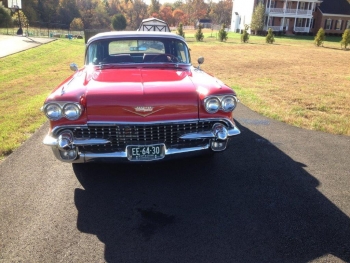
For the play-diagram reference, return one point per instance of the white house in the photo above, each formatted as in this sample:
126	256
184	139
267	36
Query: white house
242	12
289	16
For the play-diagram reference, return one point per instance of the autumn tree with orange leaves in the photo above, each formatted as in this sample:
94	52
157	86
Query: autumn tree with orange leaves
195	9
97	14
179	16
166	14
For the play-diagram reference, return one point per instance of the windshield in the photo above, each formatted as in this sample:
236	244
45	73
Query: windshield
117	51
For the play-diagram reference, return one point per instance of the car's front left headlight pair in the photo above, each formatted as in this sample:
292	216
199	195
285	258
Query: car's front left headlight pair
57	110
226	103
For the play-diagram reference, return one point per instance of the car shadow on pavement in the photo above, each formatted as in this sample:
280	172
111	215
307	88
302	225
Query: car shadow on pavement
251	203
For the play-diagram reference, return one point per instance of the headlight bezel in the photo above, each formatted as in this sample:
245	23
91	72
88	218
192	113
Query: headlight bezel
234	103
209	100
62	105
47	109
77	109
221	99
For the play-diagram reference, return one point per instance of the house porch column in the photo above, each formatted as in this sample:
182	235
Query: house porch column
297	9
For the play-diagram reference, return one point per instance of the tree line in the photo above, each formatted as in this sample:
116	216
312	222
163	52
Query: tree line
98	14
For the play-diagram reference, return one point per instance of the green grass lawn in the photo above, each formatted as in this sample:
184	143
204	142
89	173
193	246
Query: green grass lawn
26	79
291	81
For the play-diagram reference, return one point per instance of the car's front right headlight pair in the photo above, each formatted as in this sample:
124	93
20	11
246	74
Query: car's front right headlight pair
226	103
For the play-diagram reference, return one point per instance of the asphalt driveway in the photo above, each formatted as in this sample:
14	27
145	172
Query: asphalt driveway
278	194
13	44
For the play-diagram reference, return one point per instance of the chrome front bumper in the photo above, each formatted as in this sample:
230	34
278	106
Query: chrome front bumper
66	147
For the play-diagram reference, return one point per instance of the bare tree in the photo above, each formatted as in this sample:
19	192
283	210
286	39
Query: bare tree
221	12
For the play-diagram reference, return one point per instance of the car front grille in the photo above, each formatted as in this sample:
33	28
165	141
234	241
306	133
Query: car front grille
141	134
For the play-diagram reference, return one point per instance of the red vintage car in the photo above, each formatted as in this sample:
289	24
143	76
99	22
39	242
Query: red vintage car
138	98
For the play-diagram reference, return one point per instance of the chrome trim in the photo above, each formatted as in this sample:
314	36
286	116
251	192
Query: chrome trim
220	131
229	123
233	132
220	98
51	141
45	111
61	105
198	135
144	109
143	115
228	129
186	150
58	128
73	67
65	141
236	102
207	107
103	155
80	110
209	135
89	157
82	142
101	123
66	85
223	149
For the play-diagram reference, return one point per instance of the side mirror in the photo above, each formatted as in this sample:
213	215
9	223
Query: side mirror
200	61
73	67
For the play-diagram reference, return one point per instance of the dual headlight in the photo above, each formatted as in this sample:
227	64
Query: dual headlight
57	110
215	103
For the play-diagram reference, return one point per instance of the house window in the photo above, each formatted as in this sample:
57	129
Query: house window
338	25
299	22
348	25
328	24
302	5
289	5
273	4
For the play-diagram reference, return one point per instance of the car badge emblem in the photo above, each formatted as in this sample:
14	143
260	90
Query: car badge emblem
144	109
148	110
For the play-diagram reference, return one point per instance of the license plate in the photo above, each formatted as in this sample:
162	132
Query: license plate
145	152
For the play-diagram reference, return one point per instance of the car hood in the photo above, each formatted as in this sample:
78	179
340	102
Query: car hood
140	95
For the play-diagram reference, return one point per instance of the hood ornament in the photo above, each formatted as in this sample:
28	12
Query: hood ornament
148	110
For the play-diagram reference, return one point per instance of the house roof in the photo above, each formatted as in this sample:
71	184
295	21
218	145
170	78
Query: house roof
153	24
336	7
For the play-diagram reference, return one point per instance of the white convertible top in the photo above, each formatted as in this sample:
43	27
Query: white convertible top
134	34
